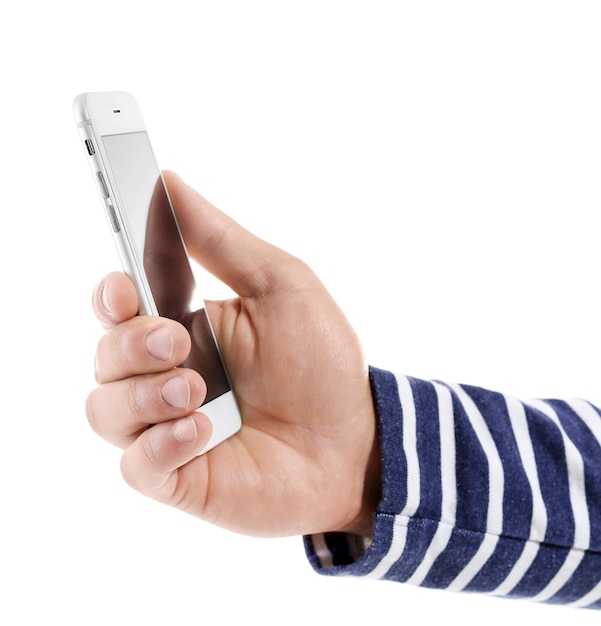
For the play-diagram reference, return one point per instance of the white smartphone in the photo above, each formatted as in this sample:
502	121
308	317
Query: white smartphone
148	239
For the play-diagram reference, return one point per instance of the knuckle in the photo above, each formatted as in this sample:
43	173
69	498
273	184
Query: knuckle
124	343
140	467
129	476
134	399
117	350
148	452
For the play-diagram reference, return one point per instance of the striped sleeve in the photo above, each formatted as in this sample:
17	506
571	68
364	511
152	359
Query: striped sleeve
482	493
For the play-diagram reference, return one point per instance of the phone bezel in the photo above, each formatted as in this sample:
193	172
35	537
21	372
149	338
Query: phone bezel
98	114
115	113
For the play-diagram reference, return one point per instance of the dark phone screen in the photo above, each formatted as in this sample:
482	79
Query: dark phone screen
159	248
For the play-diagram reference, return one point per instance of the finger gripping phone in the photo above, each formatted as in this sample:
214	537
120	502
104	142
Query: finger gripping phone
148	239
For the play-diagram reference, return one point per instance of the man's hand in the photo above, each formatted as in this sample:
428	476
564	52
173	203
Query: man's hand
306	458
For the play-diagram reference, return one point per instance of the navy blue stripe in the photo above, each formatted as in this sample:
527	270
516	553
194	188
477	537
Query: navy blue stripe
585	578
390	431
340	548
498	566
544	567
419	536
472	473
549	452
428	449
462	546
517	493
590	449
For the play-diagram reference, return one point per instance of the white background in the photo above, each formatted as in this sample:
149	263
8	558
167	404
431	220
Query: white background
437	163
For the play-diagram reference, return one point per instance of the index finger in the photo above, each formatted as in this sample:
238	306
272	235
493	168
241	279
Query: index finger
249	265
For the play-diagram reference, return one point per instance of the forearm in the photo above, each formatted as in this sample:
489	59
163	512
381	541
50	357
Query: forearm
481	492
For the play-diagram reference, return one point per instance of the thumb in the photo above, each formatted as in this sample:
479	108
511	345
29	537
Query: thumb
249	265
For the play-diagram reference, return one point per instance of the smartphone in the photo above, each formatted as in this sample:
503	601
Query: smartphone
148	239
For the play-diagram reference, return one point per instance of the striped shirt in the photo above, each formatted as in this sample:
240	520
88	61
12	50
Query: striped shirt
481	492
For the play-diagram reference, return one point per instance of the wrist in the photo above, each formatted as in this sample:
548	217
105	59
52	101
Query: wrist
371	494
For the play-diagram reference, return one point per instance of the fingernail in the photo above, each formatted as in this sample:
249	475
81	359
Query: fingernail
159	344
100	295
185	429
176	392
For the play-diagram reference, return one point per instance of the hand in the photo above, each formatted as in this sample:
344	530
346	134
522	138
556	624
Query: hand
306	459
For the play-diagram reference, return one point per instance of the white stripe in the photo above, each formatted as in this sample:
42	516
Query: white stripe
519	569
477	562
519	424
592	419
410	446
439	542
496	483
576	484
496	476
322	551
399	536
448	453
538	522
575	467
448	482
588	415
561	577
397	546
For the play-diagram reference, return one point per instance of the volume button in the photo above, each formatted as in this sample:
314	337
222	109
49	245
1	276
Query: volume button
104	190
113	218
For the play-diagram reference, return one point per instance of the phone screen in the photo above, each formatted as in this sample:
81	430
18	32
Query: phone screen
159	248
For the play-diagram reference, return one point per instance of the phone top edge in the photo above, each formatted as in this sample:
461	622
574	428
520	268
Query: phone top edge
80	110
109	112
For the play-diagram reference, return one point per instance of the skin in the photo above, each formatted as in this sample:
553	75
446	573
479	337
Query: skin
306	458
